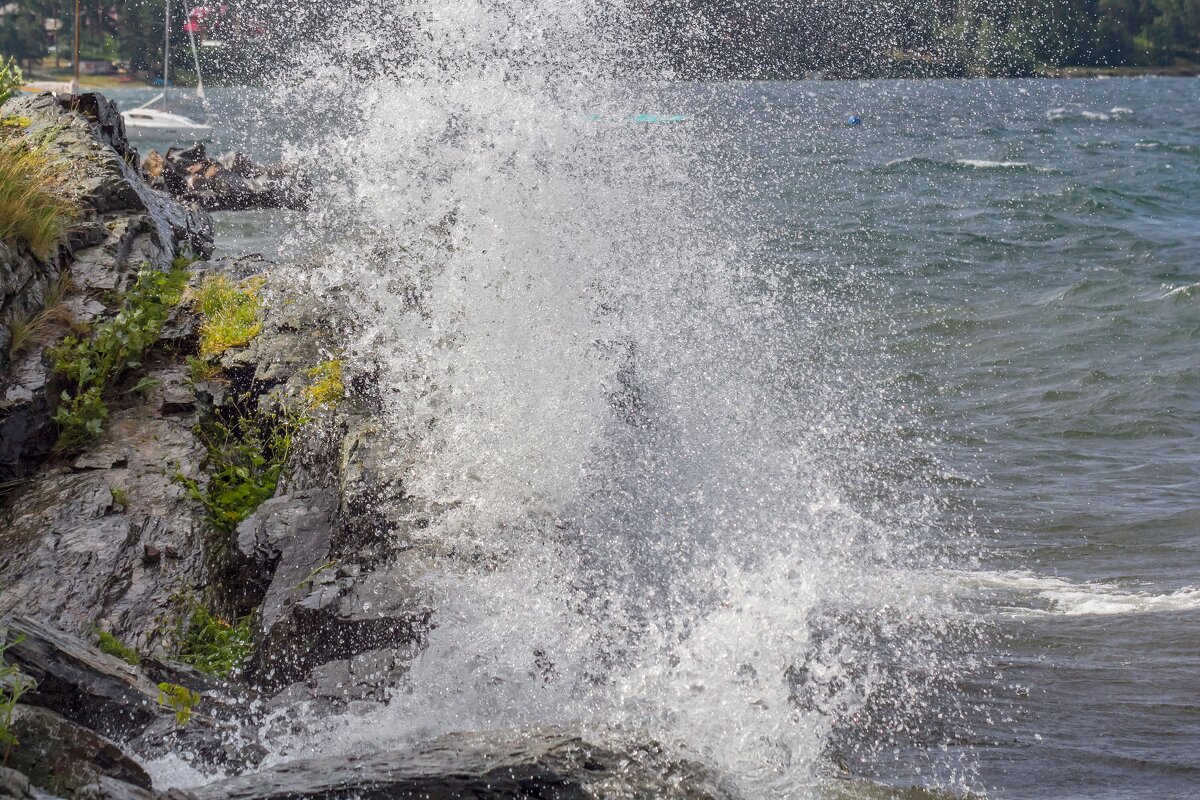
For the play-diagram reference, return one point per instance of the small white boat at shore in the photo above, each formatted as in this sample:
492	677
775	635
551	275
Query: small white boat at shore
157	125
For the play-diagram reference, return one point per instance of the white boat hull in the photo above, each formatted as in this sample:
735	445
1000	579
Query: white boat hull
161	126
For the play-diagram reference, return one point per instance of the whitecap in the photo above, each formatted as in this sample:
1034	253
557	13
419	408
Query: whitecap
979	163
1061	597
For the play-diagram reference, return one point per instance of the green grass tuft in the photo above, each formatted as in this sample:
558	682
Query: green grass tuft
230	311
35	211
115	647
327	387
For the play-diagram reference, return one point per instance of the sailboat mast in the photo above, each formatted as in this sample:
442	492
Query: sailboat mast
167	56
191	29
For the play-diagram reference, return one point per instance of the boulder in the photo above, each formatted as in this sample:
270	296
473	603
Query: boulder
62	757
123	225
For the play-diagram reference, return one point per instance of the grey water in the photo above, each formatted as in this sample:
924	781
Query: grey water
1018	263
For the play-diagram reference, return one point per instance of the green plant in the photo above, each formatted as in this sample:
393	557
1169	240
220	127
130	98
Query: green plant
120	496
180	699
35	212
230	312
244	460
310	577
116	345
327	387
214	646
115	647
13	684
201	370
10	79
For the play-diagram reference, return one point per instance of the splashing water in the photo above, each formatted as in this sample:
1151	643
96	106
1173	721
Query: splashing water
660	461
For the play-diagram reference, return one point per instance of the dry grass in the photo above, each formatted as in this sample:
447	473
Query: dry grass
34	211
46	325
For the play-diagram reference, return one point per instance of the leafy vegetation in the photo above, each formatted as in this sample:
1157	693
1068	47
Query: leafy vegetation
231	313
35	212
180	699
115	647
13	684
214	646
117	344
244	460
10	79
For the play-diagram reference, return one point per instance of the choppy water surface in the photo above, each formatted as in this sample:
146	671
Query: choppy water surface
802	446
1032	252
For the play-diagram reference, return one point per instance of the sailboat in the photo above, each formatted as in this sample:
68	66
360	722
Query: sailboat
162	124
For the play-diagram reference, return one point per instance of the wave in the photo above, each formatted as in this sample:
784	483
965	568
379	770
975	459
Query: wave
1183	292
960	164
1064	114
1061	597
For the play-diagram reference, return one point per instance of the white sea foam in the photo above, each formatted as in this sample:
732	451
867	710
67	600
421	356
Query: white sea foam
979	163
1030	593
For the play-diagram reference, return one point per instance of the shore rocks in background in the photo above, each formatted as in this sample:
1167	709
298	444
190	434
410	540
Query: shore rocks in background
228	182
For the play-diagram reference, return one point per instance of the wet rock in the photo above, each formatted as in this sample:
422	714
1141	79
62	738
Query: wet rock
67	530
14	785
62	757
97	691
502	765
119	701
124	224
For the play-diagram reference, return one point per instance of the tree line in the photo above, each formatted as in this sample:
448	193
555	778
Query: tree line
696	38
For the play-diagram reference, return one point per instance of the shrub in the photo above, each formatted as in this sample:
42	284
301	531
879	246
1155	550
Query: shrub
214	646
34	210
179	699
230	312
116	345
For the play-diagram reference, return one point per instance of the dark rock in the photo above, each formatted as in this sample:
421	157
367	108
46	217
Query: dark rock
151	554
523	764
120	701
62	757
67	531
87	687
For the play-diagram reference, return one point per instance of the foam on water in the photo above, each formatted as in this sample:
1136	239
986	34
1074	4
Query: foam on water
656	453
1040	594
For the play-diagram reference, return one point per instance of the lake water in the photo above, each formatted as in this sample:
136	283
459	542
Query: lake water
1015	266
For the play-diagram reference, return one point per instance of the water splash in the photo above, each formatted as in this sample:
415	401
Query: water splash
665	469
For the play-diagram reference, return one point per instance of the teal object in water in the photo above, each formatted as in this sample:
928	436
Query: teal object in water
660	119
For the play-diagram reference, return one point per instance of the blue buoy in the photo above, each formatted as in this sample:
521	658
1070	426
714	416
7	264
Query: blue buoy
854	120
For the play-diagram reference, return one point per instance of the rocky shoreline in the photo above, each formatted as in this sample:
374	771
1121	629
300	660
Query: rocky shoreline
201	523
